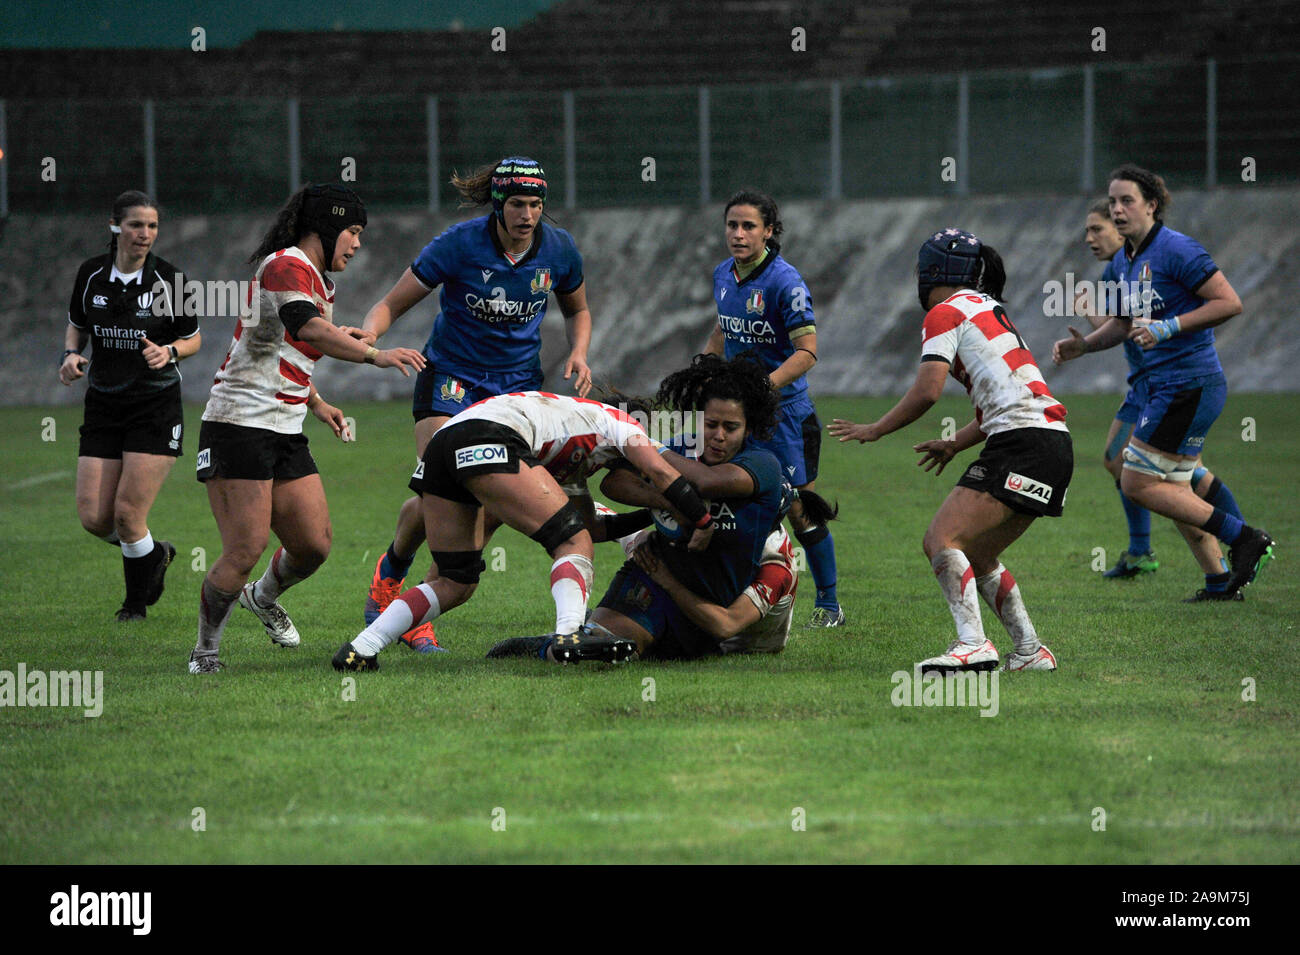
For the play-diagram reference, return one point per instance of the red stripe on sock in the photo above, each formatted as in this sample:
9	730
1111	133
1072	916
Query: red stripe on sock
275	566
1005	585
967	577
419	604
567	570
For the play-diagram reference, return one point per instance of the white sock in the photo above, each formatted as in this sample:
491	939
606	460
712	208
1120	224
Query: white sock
1001	592
141	548
571	578
407	612
955	576
279	576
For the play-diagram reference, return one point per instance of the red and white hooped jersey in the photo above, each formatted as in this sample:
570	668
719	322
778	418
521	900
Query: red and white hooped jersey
972	332
772	592
266	377
570	437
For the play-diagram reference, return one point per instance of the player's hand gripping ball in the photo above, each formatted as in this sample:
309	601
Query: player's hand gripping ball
668	527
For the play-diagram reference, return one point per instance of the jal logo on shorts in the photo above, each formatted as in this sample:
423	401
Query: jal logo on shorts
205	459
1028	487
481	454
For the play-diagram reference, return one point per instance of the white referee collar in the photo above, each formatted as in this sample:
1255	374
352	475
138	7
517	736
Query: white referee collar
126	278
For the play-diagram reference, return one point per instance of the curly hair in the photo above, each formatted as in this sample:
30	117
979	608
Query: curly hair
741	379
1149	184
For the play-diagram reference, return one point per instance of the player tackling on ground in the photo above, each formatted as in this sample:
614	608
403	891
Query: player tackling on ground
1024	469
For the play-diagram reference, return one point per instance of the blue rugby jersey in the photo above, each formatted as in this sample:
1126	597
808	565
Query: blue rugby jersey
1175	265
761	311
491	311
722	572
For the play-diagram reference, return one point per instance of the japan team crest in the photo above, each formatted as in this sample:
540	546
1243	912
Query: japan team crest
755	302
541	281
452	390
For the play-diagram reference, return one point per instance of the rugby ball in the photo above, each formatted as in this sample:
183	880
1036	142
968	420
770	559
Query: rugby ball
668	527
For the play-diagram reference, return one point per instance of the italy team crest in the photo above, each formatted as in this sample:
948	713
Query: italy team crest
1145	275
541	281
755	302
452	390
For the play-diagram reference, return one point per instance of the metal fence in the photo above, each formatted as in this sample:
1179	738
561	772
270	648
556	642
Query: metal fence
1048	130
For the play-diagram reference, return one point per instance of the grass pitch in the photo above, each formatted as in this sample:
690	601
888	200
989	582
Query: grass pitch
800	757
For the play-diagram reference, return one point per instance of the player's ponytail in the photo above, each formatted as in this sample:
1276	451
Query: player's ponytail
816	509
476	188
284	230
993	274
1149	184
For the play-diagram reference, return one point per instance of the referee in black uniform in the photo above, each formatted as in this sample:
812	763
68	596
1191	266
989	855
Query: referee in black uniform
124	304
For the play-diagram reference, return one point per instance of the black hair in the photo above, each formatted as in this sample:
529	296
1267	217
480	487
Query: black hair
767	209
1101	208
284	230
993	274
127	200
1149	184
816	508
741	379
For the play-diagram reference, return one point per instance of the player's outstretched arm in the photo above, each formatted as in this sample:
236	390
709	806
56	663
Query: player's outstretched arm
1109	335
336	343
920	398
400	299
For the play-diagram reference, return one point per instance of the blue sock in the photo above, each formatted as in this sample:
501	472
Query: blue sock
394	566
1222	498
1217	583
819	547
1139	525
1224	526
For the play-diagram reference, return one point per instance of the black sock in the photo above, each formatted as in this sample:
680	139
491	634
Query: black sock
137	571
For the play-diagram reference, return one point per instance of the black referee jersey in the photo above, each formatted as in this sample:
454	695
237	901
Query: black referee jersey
117	316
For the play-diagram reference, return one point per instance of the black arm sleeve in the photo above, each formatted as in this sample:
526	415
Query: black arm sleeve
294	315
620	525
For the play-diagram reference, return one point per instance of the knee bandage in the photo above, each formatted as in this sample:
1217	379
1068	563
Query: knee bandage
460	566
1164	466
559	527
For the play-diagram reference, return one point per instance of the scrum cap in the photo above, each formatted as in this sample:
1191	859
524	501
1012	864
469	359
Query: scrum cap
516	176
327	210
950	257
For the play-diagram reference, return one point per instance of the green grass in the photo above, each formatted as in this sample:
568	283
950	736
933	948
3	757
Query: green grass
1145	718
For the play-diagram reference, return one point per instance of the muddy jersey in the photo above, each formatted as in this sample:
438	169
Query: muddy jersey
266	377
972	333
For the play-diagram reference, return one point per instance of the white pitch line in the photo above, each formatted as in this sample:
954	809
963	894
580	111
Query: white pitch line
39	479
